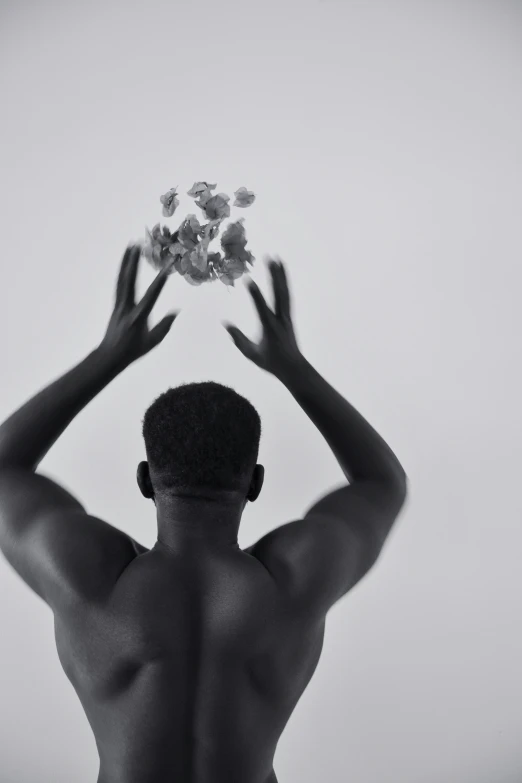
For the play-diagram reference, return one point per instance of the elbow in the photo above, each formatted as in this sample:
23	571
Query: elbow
402	478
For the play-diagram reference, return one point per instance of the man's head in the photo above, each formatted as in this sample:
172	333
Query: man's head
202	442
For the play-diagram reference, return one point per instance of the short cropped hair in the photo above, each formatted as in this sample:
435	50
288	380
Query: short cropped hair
201	436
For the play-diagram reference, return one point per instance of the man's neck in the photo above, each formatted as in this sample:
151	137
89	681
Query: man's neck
198	523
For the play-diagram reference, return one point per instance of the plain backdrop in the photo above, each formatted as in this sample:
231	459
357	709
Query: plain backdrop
382	140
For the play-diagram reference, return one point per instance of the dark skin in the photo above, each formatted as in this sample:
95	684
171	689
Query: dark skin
183	656
208	520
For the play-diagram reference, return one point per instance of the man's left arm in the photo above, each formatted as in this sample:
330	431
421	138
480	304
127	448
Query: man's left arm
28	434
45	533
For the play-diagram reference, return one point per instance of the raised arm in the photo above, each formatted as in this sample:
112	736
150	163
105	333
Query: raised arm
317	559
359	449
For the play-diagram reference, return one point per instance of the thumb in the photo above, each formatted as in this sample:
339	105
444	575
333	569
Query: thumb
160	331
246	347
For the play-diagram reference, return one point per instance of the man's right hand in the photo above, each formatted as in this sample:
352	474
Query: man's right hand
278	352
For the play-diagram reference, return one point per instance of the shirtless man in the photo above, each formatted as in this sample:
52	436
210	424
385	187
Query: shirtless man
190	658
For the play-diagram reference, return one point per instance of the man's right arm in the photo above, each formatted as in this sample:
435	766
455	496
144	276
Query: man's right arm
318	558
359	449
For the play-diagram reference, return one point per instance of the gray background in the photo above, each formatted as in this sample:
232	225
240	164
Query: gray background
383	143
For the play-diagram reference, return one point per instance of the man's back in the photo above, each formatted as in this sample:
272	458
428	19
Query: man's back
190	670
190	666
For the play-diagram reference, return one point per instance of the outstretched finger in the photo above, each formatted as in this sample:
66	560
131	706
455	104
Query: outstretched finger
153	291
160	331
246	346
277	284
125	288
259	301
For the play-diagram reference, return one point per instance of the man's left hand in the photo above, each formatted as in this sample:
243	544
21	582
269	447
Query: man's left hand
128	337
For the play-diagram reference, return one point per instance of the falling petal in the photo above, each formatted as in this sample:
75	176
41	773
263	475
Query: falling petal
186	251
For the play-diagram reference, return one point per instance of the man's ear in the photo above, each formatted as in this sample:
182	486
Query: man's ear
256	484
144	482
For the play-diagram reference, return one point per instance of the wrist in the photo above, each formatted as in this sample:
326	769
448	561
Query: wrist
296	368
108	360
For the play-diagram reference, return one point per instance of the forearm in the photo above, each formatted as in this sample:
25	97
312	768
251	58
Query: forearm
359	449
28	434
